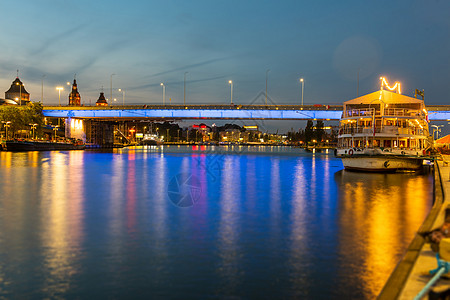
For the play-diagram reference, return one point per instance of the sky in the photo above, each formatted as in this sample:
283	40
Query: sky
145	43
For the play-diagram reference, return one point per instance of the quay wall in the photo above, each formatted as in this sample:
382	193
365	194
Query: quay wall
399	277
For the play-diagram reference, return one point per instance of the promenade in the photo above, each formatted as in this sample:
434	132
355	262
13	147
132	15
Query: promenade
411	274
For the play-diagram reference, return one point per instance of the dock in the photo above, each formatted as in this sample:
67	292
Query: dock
410	276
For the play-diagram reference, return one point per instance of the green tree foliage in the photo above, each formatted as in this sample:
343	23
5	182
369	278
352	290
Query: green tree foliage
21	117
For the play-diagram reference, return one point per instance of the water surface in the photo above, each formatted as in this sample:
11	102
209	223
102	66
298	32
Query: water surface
201	222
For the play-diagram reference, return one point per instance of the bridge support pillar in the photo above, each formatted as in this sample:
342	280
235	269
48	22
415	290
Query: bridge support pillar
100	133
75	128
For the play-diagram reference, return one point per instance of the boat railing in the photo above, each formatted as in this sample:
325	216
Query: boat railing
394	112
401	112
358	113
384	129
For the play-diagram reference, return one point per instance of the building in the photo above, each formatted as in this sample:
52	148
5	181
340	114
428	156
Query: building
74	95
101	100
231	136
18	93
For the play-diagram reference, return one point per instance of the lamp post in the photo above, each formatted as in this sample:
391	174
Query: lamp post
231	93
437	129
267	74
163	93
184	97
303	82
59	89
55	129
42	89
7	124
123	96
20	92
33	127
110	90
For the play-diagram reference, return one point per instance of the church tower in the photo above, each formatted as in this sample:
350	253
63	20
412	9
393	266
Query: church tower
74	95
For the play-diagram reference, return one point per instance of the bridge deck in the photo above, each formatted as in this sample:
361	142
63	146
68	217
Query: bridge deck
216	111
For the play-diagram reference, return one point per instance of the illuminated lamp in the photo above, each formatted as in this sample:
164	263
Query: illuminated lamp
395	87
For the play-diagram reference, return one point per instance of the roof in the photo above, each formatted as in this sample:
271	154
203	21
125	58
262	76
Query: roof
386	97
102	98
7	102
443	140
17	87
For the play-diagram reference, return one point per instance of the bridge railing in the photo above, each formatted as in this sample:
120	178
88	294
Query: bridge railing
199	106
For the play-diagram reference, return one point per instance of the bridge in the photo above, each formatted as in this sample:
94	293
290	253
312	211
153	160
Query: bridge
215	111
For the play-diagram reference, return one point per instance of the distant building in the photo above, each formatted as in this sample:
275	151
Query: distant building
204	130
74	95
18	93
101	100
230	135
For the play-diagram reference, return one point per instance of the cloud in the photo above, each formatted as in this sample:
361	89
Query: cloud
55	39
186	67
175	83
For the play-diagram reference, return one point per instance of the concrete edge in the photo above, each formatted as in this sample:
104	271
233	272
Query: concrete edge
394	285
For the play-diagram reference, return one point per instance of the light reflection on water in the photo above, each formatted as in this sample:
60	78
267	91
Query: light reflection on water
269	222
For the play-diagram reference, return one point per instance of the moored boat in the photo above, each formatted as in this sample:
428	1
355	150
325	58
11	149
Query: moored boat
33	145
384	132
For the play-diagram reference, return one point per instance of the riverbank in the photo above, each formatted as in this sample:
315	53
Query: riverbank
410	275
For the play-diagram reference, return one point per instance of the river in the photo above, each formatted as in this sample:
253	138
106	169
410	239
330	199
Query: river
201	222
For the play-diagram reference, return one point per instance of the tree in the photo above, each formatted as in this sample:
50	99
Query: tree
319	132
309	131
22	116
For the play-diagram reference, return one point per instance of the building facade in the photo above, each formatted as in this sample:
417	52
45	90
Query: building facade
74	95
18	93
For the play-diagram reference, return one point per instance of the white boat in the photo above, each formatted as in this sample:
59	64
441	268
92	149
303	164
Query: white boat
384	132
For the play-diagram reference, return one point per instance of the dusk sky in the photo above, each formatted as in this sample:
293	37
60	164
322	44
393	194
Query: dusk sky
148	42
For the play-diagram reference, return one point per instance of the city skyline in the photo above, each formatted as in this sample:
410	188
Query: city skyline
146	44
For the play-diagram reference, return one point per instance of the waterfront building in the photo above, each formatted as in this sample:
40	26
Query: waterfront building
101	100
231	136
74	95
204	130
18	93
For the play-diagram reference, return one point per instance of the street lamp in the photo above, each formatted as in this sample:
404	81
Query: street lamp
231	96
7	124
267	73
33	127
302	81
42	90
55	128
20	92
184	97
111	87
123	96
59	89
437	129
164	93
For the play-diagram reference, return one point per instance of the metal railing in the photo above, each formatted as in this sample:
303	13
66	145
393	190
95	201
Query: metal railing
392	112
384	129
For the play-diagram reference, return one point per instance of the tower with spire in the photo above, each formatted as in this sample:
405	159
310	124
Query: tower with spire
74	95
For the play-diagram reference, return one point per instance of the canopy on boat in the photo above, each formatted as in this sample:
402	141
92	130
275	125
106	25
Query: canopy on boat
384	96
443	140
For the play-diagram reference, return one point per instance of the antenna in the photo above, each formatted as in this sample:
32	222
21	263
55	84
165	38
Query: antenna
17	73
